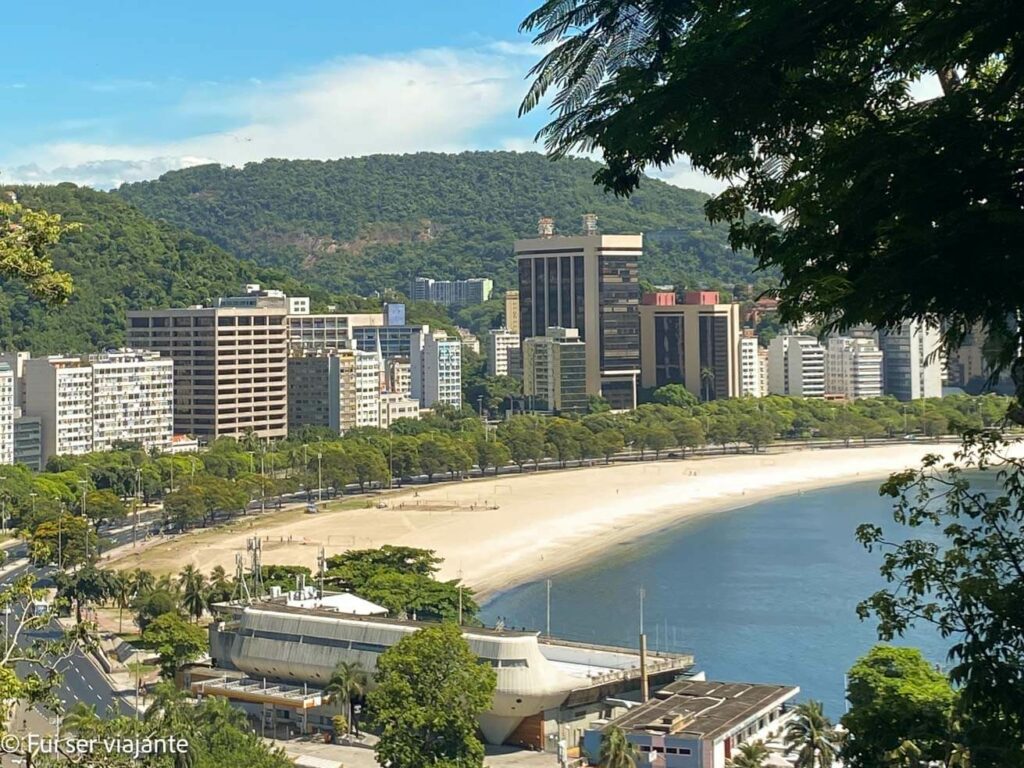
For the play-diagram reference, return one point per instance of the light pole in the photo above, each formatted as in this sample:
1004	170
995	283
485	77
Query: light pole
319	477
263	487
3	513
135	503
85	519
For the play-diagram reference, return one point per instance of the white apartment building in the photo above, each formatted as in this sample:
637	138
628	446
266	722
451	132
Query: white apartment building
752	382
853	368
796	366
912	366
369	372
133	399
91	402
502	352
436	369
395	406
8	388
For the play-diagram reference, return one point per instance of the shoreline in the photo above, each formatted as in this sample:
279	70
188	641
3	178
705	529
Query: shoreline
498	533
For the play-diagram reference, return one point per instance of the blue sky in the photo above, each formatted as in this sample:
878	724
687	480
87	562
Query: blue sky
102	92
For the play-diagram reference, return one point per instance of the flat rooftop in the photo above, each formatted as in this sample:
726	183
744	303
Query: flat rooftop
703	709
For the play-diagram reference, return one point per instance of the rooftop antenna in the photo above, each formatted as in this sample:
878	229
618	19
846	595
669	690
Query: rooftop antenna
255	547
589	224
546	226
241	586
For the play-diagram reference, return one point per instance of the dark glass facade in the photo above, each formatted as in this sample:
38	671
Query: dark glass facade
668	349
714	357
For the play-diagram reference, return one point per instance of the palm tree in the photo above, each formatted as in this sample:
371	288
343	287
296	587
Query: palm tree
616	751
193	586
751	755
172	712
348	680
906	755
81	720
143	581
810	735
122	588
611	34
707	378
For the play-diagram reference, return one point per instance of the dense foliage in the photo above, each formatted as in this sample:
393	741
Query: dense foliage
119	260
428	690
895	696
25	236
890	207
958	565
374	223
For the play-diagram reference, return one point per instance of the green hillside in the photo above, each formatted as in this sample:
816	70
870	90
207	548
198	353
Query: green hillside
119	260
373	223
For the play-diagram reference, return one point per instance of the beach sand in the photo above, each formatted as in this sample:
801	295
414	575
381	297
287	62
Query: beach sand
496	533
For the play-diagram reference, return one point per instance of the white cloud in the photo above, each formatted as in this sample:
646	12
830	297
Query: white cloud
427	100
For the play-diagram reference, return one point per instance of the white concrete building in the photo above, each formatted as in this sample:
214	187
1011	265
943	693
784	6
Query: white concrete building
502	352
133	399
912	365
368	380
796	366
752	382
330	331
853	368
91	402
395	406
8	388
436	369
398	375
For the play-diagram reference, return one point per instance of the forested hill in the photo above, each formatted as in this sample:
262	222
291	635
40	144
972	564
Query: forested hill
374	223
119	260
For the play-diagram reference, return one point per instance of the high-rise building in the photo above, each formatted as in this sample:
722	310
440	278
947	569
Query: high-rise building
696	344
912	368
503	352
589	283
554	368
230	365
133	399
453	293
796	366
512	311
28	441
436	369
8	387
92	402
762	367
334	388
333	331
16	361
752	383
853	368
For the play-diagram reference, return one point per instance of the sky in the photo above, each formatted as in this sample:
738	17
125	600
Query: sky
102	92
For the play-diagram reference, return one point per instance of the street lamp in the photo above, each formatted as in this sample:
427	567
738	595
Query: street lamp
84	483
3	513
319	477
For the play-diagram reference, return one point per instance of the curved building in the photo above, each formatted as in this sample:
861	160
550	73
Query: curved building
536	677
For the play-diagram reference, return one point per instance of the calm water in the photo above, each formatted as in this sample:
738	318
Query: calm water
766	593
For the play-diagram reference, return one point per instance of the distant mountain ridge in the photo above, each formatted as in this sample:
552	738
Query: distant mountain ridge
119	260
374	223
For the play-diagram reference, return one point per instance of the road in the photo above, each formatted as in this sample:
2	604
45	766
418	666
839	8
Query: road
81	679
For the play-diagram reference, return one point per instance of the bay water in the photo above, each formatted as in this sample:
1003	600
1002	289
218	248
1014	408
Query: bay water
764	593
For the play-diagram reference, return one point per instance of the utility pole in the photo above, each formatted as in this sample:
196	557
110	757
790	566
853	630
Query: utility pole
322	563
263	486
548	622
319	477
3	514
85	519
644	691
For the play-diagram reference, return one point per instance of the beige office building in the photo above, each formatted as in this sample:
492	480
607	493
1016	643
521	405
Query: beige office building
503	353
230	365
395	406
588	282
696	344
335	388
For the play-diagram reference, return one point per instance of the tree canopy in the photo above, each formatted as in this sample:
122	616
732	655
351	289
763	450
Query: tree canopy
885	137
429	689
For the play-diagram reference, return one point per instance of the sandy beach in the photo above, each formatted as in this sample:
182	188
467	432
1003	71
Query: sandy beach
499	532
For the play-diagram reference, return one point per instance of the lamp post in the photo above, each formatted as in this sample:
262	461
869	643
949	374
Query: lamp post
135	504
319	477
84	483
3	513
